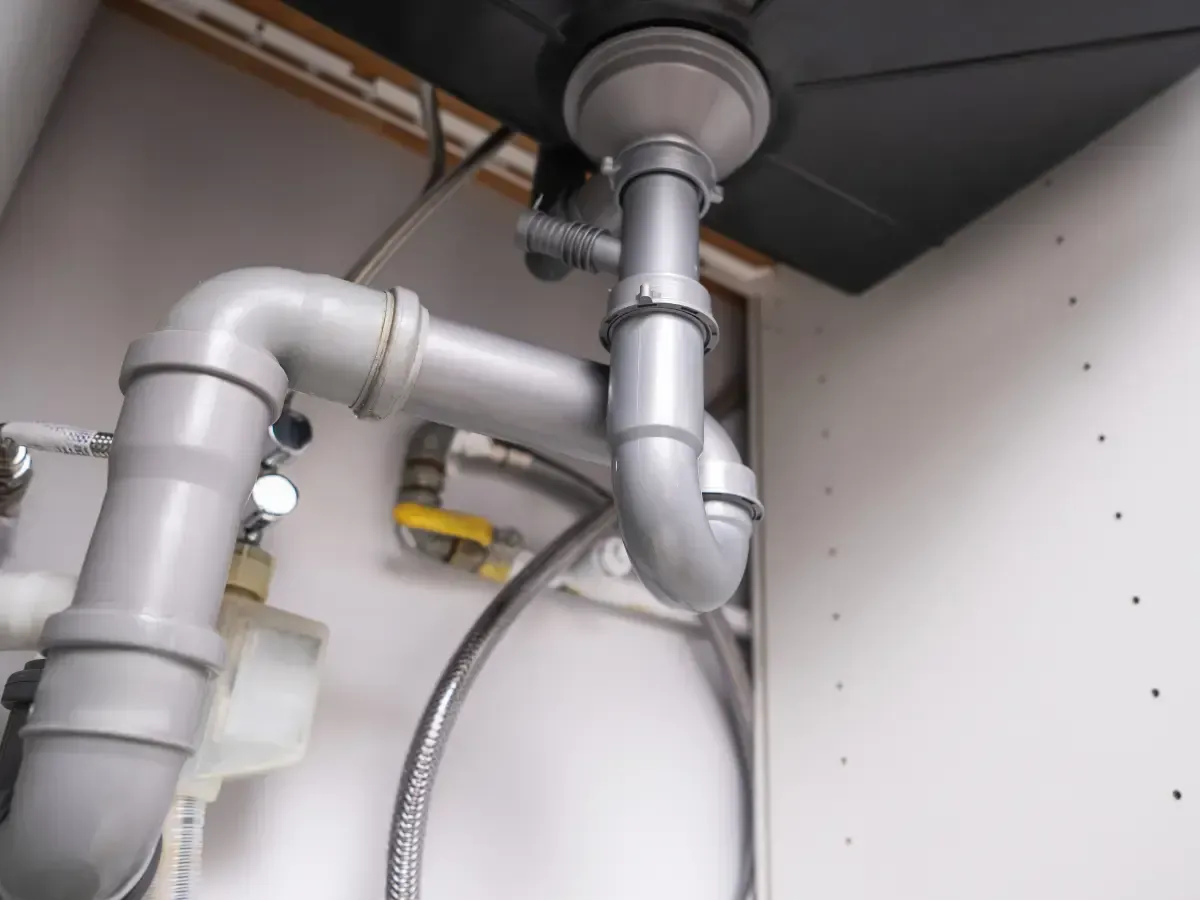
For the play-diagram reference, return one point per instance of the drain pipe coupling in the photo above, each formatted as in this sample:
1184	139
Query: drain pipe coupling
730	482
656	293
397	358
675	155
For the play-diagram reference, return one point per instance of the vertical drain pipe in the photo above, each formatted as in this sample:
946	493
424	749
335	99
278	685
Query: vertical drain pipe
656	409
667	113
128	664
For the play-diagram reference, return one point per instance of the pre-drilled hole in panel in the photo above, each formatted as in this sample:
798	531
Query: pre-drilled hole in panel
1154	692
1087	367
1137	600
1178	795
1118	516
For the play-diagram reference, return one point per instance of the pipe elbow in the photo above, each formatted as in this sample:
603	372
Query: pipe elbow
686	502
343	342
86	818
689	544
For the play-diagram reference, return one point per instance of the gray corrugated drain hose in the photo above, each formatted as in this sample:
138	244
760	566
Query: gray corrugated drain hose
411	816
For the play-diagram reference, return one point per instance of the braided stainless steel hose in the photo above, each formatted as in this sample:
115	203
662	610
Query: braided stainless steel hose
411	816
430	200
58	438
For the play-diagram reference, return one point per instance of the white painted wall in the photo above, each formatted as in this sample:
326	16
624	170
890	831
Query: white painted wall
972	473
37	42
592	762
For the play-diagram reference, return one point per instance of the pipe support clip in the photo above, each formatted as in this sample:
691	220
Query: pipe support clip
656	293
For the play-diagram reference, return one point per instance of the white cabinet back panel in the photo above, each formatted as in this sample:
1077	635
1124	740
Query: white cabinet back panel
981	619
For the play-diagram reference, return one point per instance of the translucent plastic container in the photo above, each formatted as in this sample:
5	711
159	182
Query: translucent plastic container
262	704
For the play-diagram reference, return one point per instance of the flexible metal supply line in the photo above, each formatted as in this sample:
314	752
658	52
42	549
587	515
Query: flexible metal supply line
430	200
414	796
199	395
411	816
58	438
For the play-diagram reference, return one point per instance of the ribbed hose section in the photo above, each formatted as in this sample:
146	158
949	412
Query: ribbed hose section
178	875
58	438
411	816
577	244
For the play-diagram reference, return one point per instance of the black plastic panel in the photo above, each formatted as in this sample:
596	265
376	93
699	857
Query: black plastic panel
897	121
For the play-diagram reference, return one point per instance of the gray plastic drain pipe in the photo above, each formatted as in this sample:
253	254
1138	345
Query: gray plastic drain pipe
123	696
128	664
687	503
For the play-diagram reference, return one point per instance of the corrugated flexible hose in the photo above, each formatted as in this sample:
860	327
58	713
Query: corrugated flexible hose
411	816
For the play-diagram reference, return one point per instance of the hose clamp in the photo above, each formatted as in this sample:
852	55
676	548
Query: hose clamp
731	482
661	292
667	154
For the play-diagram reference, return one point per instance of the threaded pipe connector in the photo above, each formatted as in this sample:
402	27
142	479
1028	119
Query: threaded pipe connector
578	244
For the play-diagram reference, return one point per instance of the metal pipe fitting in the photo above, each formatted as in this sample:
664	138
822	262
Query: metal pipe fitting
577	244
16	472
422	480
287	438
272	497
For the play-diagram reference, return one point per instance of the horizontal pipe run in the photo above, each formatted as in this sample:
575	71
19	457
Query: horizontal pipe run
509	389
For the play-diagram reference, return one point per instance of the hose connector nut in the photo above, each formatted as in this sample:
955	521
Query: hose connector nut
660	292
